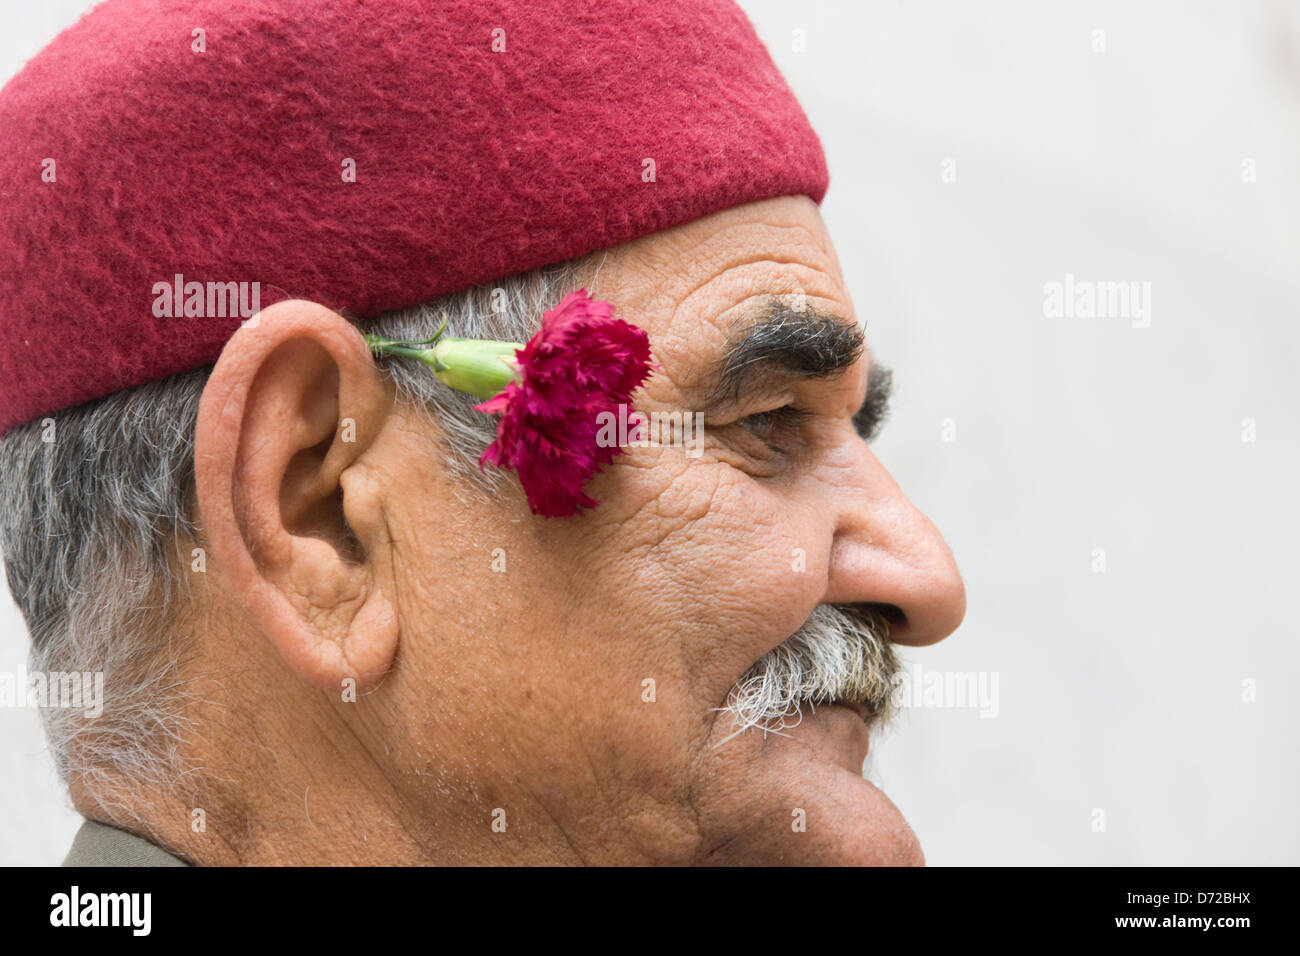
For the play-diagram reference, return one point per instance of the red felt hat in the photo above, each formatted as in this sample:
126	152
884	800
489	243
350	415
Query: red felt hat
364	155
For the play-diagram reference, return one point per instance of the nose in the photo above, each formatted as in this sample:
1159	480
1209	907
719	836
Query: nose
886	552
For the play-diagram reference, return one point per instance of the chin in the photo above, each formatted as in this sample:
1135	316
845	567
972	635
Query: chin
879	836
810	776
835	741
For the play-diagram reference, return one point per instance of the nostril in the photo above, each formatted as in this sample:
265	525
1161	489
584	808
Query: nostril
892	613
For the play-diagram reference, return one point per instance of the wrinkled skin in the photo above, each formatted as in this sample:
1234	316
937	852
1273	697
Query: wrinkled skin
517	696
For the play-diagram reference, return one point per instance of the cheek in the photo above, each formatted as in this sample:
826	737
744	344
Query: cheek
776	552
721	569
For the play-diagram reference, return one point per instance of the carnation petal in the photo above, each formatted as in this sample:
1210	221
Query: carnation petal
581	362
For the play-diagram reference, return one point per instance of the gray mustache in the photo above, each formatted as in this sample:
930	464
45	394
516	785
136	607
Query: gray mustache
839	654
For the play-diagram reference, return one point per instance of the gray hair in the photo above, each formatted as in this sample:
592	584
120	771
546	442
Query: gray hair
841	654
97	503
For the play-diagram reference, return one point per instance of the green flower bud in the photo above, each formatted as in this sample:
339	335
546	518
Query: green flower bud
481	368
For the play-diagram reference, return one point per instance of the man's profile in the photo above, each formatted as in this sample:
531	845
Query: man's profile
328	635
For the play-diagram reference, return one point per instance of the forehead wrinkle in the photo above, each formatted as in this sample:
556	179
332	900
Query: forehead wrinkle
687	258
719	249
812	280
720	270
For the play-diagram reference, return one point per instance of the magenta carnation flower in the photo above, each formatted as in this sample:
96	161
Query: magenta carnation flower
551	393
582	362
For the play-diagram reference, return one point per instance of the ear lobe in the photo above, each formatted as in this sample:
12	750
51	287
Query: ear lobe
286	423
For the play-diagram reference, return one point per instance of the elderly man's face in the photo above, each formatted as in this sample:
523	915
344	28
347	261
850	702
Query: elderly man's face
556	689
576	680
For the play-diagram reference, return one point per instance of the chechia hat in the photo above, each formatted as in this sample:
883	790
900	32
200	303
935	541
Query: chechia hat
166	165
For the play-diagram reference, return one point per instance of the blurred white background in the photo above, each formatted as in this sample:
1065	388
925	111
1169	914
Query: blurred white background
979	150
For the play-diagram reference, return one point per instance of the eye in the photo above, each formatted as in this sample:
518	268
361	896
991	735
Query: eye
775	426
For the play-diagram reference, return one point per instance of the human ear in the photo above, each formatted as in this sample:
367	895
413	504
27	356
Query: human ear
289	500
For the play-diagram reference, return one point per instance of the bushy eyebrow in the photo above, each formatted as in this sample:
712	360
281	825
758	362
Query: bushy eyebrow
871	416
808	343
805	344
